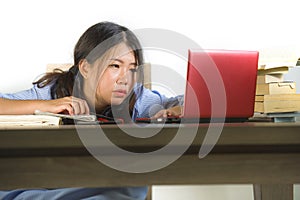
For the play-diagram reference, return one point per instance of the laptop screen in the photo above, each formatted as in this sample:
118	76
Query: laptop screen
220	84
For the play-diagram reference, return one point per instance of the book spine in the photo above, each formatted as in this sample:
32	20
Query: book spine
281	106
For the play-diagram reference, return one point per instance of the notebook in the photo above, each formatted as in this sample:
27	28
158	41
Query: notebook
220	86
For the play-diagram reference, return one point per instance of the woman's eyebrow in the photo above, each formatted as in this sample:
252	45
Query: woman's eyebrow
121	61
116	59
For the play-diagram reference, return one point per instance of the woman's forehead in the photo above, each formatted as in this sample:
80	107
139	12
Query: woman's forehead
121	50
116	52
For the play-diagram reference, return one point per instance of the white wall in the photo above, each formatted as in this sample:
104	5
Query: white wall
34	33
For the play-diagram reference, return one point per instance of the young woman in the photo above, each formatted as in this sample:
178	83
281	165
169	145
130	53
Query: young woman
106	79
108	64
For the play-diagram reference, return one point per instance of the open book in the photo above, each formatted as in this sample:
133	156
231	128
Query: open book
85	118
28	120
41	119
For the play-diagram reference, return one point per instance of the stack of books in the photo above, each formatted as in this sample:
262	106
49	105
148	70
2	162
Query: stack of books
273	94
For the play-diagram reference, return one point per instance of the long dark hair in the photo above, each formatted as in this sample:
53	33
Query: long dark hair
93	43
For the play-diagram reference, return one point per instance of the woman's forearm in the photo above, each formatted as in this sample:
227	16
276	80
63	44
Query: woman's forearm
70	105
20	107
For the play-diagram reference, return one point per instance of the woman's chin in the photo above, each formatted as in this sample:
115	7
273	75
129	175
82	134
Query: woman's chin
117	101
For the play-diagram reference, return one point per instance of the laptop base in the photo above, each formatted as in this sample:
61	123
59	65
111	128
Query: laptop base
177	120
214	120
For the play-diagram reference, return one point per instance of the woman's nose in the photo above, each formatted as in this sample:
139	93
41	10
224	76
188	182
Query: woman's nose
123	77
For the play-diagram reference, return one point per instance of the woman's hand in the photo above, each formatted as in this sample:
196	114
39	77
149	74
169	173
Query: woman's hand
175	111
68	105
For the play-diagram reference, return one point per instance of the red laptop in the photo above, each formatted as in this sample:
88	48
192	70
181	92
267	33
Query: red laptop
221	85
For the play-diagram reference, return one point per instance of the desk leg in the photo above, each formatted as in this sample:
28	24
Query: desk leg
149	195
273	191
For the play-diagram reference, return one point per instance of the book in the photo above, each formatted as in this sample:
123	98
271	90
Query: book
29	120
276	117
277	103
298	62
274	70
85	118
269	78
276	88
42	119
271	75
277	106
278	97
285	117
277	56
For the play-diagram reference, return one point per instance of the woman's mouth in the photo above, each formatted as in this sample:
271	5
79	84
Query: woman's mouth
120	93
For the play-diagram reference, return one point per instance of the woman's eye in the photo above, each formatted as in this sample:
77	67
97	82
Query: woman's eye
114	66
133	70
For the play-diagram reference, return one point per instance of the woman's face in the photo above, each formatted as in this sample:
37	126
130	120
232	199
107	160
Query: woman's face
117	79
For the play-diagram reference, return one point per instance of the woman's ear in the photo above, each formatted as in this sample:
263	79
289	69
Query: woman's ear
84	68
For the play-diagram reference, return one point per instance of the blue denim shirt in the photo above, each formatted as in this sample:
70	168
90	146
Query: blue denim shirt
147	104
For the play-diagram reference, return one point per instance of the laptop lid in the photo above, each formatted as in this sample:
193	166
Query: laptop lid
221	84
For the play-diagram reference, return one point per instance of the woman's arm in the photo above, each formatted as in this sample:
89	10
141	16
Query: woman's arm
35	98
175	111
155	105
173	107
69	105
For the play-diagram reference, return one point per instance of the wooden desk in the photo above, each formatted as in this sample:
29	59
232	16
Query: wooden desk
264	154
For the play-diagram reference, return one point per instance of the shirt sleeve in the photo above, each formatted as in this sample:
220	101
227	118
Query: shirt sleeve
30	94
150	102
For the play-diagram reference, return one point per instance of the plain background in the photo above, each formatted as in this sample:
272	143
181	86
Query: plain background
35	33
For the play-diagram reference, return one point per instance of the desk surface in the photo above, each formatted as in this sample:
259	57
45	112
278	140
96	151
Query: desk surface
51	157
